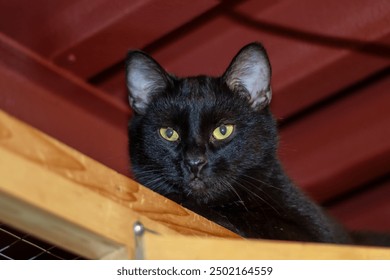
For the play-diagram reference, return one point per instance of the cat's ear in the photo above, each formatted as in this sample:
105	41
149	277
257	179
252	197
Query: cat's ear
249	73
145	78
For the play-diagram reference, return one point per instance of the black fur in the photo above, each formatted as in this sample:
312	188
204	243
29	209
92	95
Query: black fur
240	183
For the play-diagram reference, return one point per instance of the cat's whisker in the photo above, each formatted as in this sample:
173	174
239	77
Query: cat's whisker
152	179
256	195
251	193
161	184
188	192
260	181
263	191
231	187
150	169
257	187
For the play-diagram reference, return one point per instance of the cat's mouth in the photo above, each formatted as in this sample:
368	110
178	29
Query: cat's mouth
203	191
197	185
197	190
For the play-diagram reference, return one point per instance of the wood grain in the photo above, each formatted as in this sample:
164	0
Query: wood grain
195	248
58	231
64	197
46	174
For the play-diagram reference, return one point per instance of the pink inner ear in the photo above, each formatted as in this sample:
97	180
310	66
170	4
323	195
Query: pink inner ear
262	100
144	78
250	72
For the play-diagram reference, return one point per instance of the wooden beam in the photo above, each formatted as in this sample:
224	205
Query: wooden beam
341	146
55	230
87	37
63	106
193	248
368	209
314	51
42	173
133	26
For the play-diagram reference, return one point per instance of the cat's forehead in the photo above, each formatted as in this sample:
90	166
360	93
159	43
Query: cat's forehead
189	94
195	101
202	95
201	87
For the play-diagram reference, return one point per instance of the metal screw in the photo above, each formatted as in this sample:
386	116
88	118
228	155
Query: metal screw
138	228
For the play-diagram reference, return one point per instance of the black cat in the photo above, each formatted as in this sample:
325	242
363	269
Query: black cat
209	143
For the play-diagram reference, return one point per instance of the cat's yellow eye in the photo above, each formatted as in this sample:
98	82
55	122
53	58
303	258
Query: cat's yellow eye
169	134
222	132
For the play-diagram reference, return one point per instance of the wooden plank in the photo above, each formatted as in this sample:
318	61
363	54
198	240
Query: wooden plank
193	248
341	146
62	105
314	51
368	209
54	25
58	231
43	173
70	31
132	25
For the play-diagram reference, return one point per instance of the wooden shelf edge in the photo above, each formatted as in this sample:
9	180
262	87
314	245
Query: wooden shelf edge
81	195
58	231
56	193
195	248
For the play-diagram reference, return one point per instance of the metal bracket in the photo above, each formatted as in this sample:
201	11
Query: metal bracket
139	231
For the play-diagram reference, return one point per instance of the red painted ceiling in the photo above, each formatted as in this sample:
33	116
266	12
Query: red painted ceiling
61	70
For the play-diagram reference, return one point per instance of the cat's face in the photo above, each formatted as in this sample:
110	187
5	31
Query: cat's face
197	137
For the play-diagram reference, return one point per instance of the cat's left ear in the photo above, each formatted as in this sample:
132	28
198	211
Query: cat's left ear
145	78
249	74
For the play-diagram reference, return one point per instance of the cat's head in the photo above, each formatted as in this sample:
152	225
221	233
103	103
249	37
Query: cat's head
198	137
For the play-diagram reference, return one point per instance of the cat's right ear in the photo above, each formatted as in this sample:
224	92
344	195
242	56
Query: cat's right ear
144	78
249	74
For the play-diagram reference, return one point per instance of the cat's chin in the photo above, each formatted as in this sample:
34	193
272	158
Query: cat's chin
198	190
197	186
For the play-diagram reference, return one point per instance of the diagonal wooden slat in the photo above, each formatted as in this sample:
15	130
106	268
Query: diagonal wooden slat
366	210
315	52
186	247
64	197
62	105
341	146
87	37
134	27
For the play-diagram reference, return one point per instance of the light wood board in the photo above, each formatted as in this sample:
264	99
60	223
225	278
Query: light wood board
43	174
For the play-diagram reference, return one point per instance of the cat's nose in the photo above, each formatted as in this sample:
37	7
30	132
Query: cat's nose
196	163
